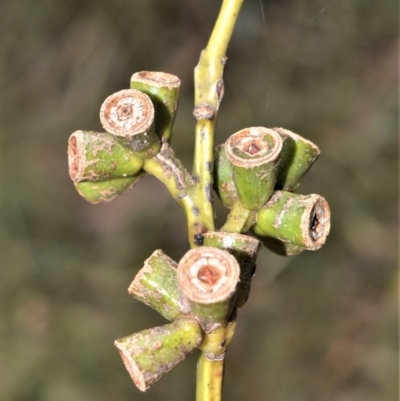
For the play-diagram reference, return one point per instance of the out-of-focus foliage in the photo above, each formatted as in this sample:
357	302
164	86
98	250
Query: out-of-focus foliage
320	326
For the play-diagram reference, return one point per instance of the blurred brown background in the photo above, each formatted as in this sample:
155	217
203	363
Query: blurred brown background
322	326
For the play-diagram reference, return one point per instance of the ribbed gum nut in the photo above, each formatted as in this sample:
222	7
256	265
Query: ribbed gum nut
208	278
163	90
302	220
223	178
152	353
94	156
156	285
297	156
106	191
129	114
245	250
254	155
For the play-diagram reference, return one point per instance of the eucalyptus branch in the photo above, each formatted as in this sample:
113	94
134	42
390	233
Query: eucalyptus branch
254	174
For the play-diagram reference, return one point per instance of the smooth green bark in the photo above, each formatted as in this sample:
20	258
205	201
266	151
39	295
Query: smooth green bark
210	365
209	90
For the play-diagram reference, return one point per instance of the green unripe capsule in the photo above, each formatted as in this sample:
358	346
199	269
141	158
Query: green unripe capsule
245	250
303	220
94	156
129	115
106	191
281	248
223	178
156	285
152	353
254	156
297	156
163	90
208	278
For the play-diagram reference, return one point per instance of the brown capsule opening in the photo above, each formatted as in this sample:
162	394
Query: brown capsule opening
318	222
252	147
157	78
127	113
75	156
72	157
207	275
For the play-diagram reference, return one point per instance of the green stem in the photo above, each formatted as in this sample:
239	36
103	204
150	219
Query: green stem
208	95
209	379
168	169
209	90
236	219
210	365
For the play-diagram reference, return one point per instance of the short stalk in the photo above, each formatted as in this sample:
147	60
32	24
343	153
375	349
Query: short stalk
168	169
237	219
